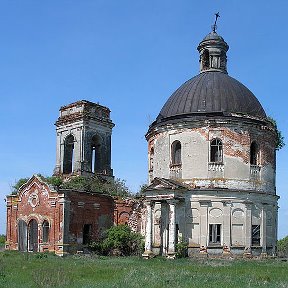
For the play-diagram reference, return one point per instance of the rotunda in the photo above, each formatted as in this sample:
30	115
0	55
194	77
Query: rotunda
211	158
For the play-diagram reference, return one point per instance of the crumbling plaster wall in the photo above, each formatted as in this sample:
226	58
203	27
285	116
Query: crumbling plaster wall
235	172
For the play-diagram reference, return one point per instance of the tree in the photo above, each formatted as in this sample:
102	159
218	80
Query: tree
282	247
18	184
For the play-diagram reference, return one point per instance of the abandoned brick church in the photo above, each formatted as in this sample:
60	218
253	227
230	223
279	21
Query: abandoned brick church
41	218
211	167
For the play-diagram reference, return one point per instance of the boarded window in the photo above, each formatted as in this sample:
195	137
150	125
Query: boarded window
176	152
216	151
255	235
68	154
214	233
45	232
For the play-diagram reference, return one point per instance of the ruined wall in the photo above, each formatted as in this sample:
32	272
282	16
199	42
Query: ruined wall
129	211
91	209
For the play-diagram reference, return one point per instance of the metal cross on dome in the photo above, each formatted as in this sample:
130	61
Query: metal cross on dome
214	27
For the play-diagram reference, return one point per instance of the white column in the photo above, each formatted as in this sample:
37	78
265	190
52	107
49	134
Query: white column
148	233
172	227
274	227
248	227
263	229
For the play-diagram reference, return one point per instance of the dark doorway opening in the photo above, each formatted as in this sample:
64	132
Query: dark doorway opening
33	236
87	229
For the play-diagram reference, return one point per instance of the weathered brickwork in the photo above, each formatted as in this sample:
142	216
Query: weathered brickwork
129	212
74	218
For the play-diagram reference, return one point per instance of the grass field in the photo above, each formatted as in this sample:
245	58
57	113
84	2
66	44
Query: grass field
37	270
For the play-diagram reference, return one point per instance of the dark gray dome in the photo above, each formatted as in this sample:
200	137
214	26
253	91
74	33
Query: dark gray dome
213	36
211	92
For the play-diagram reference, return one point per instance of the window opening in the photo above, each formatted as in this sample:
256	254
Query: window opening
151	163
216	154
254	153
176	153
45	231
33	236
96	154
255	235
215	233
22	236
68	154
87	229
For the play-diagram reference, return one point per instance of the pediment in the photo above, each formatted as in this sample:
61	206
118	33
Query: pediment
166	184
35	184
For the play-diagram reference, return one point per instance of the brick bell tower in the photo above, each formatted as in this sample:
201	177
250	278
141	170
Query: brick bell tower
84	132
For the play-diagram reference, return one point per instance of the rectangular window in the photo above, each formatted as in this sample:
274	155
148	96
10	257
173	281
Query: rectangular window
215	234
255	235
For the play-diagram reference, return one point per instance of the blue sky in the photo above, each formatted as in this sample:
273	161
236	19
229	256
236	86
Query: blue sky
130	56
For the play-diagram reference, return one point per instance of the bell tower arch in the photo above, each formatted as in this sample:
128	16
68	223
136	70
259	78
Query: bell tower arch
84	131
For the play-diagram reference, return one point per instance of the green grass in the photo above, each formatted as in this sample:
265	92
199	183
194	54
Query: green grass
36	270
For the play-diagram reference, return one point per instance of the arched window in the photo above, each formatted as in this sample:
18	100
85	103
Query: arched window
68	154
205	60
216	151
176	153
254	153
151	159
33	236
96	154
45	231
22	235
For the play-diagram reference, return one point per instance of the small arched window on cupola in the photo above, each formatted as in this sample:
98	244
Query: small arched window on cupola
216	151
176	153
205	59
254	153
68	154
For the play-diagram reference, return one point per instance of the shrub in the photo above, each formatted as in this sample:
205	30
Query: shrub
114	187
119	241
181	249
280	138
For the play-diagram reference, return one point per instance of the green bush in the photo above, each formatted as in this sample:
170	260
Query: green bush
282	247
119	241
181	249
113	187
